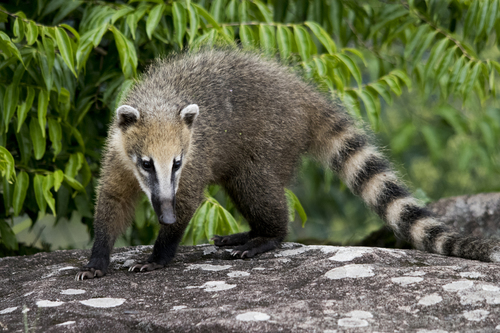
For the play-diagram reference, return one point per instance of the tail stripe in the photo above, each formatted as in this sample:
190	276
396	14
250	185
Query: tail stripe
349	148
373	166
390	192
409	215
432	236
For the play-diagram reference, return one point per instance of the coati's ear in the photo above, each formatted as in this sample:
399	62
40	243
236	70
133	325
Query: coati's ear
127	116
189	114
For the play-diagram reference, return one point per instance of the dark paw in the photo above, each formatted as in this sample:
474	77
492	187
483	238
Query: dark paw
219	240
242	254
88	273
150	266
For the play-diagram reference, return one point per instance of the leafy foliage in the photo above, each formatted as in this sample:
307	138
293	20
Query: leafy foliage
65	64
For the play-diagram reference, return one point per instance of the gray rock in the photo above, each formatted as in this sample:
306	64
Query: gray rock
476	215
293	289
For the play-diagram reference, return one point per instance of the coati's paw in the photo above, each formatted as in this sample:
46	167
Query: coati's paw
235	239
88	273
255	246
150	266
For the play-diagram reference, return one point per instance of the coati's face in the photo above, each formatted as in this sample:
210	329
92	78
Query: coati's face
155	149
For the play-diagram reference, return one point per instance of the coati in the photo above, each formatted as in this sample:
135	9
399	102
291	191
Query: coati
230	117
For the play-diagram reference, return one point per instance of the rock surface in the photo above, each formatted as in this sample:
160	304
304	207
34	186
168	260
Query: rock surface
294	289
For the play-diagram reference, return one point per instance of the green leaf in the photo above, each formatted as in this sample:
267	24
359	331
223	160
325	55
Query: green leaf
211	221
46	71
7	46
180	22
217	10
64	45
194	22
124	53
266	36
72	30
436	53
24	144
471	78
402	76
445	62
120	13
264	10
154	18
73	166
43	103
416	40
469	18
39	196
481	19
10	101
8	236
229	220
55	135
370	107
302	42
97	37
50	51
20	189
355	52
203	13
284	39
58	179
393	83
320	66
324	37
7	164
232	11
23	109
294	202
74	183
37	138
382	91
351	66
18	30
48	183
31	33
247	37
492	17
198	222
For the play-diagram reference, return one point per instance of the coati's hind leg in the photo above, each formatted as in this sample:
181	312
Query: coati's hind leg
261	200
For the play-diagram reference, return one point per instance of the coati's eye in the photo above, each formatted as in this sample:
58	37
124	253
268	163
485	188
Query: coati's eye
176	165
147	165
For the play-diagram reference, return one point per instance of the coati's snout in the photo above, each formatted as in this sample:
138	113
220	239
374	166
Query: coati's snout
157	159
165	210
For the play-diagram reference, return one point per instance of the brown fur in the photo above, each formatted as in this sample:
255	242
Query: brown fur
256	118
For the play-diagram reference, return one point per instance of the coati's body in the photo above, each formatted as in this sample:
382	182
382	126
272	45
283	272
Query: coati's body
234	119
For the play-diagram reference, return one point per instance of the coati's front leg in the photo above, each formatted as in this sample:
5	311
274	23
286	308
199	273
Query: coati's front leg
260	198
117	194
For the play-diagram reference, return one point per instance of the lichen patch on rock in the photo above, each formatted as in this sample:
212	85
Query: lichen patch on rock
253	316
72	291
48	304
350	271
105	302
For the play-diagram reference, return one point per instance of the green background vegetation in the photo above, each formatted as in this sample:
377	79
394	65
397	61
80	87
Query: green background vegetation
422	74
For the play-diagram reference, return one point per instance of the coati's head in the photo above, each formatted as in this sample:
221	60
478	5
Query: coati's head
154	147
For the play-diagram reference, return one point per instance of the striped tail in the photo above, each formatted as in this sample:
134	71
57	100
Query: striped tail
369	174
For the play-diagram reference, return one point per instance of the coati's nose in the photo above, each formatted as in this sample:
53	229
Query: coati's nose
167	217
